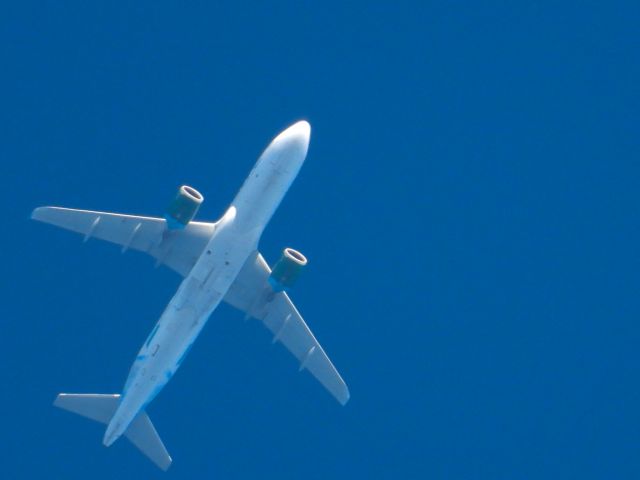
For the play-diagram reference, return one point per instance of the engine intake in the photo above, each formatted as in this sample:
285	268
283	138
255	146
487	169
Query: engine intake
286	271
183	208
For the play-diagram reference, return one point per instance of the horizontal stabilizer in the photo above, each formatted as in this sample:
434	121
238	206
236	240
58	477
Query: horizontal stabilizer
101	407
98	407
143	435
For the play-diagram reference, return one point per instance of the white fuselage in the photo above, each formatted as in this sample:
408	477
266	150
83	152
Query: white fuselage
234	238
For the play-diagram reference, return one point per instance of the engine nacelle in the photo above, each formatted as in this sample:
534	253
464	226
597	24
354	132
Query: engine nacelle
183	208
287	270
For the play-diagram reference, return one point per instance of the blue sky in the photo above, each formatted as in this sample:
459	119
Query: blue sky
469	207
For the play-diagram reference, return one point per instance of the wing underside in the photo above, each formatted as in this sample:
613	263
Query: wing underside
252	294
178	249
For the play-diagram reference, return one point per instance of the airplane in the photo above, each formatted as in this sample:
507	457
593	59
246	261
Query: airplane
219	261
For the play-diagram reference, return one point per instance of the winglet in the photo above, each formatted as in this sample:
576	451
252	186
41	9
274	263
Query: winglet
345	396
37	213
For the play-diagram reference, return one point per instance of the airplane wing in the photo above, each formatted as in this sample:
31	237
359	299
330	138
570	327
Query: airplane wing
178	249
252	294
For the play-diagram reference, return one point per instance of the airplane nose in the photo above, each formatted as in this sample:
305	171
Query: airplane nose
300	129
296	136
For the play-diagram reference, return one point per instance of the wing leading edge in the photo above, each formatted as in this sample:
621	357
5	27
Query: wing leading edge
252	294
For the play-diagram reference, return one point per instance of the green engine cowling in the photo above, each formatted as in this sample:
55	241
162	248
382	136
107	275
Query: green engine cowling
287	270
183	208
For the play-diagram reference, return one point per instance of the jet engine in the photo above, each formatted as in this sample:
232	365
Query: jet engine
183	208
287	270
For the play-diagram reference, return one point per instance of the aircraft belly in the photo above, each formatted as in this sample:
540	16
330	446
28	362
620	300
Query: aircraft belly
179	327
180	324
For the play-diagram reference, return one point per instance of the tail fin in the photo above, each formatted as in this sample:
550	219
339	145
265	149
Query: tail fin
102	407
